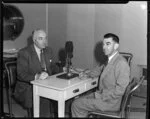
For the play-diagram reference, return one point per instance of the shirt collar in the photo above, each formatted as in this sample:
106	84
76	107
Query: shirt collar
109	58
38	50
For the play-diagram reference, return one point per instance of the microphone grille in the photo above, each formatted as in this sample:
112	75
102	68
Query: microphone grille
69	46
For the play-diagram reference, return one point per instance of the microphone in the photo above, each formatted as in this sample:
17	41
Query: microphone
69	54
69	46
69	51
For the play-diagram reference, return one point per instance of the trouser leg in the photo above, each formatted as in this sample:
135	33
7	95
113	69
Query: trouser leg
45	107
30	112
82	105
54	108
68	107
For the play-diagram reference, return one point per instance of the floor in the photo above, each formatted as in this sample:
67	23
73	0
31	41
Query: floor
138	108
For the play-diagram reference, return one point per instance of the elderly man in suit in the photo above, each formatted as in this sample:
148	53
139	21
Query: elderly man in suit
34	62
114	78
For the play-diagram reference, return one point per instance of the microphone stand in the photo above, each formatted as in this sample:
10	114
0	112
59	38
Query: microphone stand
68	74
68	66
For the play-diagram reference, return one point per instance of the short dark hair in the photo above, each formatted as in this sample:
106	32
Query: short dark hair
113	36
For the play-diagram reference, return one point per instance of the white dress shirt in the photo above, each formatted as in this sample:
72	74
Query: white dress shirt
38	51
109	58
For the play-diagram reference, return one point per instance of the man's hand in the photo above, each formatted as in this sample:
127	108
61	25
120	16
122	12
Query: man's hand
41	76
91	75
84	73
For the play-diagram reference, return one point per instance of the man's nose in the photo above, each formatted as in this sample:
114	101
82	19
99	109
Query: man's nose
104	46
45	41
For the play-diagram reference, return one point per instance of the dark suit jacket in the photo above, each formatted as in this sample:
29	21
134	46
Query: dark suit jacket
28	65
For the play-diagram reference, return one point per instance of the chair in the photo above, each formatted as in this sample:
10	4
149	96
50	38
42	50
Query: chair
10	83
127	56
125	104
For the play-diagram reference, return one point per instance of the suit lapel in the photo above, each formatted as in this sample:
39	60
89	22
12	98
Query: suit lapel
35	57
46	57
109	65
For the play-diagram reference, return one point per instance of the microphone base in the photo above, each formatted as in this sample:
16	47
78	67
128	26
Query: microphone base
67	76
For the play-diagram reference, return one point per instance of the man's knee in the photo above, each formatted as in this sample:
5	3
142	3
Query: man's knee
74	104
77	103
78	108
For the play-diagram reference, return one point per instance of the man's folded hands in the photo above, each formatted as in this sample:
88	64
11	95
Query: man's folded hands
41	76
87	74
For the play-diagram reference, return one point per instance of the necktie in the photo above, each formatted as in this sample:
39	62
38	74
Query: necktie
43	65
100	75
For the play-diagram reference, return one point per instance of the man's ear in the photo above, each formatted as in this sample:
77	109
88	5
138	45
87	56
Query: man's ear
33	38
116	46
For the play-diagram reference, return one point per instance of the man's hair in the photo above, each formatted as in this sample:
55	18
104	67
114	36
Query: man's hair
113	36
35	31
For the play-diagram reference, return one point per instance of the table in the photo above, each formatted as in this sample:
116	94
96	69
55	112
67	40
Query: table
60	90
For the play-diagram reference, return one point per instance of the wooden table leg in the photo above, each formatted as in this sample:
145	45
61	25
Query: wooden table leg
61	108
36	102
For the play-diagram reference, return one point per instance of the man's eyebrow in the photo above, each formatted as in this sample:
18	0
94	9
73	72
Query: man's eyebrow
108	42
41	37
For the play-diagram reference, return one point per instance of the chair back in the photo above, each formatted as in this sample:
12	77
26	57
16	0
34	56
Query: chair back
12	73
133	85
127	56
